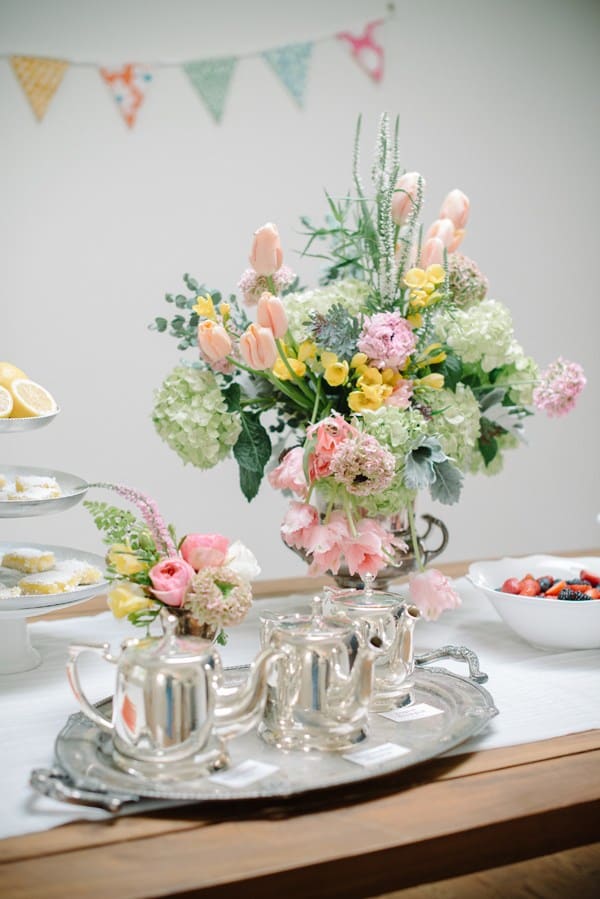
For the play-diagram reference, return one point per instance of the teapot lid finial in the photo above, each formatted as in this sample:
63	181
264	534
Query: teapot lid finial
368	580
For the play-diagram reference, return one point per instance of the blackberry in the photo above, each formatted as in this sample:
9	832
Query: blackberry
577	580
572	595
545	583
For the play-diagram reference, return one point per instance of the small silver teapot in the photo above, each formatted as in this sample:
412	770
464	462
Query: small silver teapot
386	622
319	690
170	710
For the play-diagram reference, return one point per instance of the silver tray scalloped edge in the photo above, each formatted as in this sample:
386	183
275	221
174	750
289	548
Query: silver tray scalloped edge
85	764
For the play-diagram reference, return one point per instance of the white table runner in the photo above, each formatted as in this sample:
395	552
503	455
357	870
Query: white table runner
540	694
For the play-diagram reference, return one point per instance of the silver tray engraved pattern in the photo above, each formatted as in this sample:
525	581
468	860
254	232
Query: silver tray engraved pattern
85	772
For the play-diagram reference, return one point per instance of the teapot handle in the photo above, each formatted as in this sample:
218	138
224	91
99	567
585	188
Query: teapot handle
75	650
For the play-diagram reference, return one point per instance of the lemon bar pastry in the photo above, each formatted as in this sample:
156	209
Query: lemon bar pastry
84	572
25	483
29	560
32	493
48	582
9	592
3	482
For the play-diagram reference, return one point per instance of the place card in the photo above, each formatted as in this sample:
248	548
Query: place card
412	712
376	755
244	774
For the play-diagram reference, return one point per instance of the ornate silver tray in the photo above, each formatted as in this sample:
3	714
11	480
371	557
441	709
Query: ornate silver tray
443	710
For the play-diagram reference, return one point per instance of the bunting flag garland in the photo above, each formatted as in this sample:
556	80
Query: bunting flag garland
128	86
39	79
211	79
366	50
290	64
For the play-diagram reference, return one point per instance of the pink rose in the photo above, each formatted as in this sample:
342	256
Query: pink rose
170	580
266	256
456	208
432	593
202	550
289	474
404	197
257	347
270	313
214	341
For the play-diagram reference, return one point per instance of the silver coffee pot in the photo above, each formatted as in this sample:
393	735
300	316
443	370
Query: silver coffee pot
319	689
170	708
386	622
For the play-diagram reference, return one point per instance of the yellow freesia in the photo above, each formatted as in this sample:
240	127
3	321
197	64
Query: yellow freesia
435	380
435	273
123	560
391	377
415	320
369	377
205	307
359	360
328	358
225	310
415	277
127	598
307	350
336	374
281	371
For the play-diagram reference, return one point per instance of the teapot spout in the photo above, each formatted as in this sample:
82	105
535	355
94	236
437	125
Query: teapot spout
238	710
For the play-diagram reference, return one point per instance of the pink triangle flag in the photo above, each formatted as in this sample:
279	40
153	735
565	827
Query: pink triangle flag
366	49
128	85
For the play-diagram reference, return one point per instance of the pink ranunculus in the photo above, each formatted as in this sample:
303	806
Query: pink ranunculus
387	339
170	580
266	256
257	347
289	474
329	433
400	395
202	550
214	341
432	593
456	208
270	313
299	523
404	196
432	252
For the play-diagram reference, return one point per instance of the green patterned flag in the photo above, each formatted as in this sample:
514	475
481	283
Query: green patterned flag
290	63
211	78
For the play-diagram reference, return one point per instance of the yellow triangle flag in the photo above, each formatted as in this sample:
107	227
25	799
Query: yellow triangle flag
39	79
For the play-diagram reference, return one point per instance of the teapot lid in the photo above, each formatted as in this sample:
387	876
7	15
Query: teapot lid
312	627
365	598
170	648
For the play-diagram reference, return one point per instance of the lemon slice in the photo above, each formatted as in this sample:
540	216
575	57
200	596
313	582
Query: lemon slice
30	399
8	373
6	402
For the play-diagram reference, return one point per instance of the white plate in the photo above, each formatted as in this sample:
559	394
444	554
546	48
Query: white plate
544	622
73	489
12	425
9	578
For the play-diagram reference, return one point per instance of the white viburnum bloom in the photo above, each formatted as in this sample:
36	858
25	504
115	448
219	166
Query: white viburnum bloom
481	334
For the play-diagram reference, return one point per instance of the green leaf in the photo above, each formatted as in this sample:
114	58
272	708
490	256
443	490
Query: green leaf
448	483
232	395
249	482
488	449
451	369
161	324
191	283
253	447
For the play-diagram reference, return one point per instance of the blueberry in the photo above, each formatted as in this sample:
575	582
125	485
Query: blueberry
545	583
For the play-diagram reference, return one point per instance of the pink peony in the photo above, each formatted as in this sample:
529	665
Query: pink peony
387	339
326	544
289	474
560	385
370	550
400	395
432	593
170	580
330	433
201	550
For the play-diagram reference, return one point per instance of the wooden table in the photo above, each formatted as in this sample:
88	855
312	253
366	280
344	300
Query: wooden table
445	818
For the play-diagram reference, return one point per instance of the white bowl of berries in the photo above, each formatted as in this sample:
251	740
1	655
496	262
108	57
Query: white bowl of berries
550	601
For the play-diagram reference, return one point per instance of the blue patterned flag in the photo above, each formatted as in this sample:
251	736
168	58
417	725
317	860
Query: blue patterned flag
211	79
290	64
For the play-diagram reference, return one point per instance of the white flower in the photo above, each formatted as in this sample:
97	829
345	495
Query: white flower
481	334
243	561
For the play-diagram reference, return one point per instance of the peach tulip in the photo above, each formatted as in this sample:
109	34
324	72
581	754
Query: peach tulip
432	252
456	208
266	256
405	196
270	313
214	341
450	236
257	346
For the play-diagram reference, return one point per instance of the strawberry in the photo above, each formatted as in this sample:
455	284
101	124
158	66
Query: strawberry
529	587
594	579
512	585
556	588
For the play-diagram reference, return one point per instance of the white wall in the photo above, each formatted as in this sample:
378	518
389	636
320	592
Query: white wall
97	222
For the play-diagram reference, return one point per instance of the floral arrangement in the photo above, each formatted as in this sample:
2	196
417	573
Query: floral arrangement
204	580
397	374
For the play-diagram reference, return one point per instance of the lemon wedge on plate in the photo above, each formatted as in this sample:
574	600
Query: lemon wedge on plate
30	399
6	402
9	373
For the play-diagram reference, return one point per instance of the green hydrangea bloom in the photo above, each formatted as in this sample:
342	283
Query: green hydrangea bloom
190	415
455	423
349	292
480	334
522	373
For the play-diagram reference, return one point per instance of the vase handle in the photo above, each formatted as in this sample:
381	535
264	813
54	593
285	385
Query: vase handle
430	554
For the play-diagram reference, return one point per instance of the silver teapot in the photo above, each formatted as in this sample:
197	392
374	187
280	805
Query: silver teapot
319	689
171	712
387	622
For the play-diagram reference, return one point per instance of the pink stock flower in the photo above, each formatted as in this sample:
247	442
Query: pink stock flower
404	197
432	593
214	341
170	580
330	432
266	255
400	395
289	474
299	523
257	347
560	385
202	550
432	252
270	313
253	285
456	208
387	339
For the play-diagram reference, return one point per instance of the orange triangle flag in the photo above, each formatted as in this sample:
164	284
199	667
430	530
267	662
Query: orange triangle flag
39	79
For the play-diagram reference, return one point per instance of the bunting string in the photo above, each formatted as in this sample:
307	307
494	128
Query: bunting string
40	77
